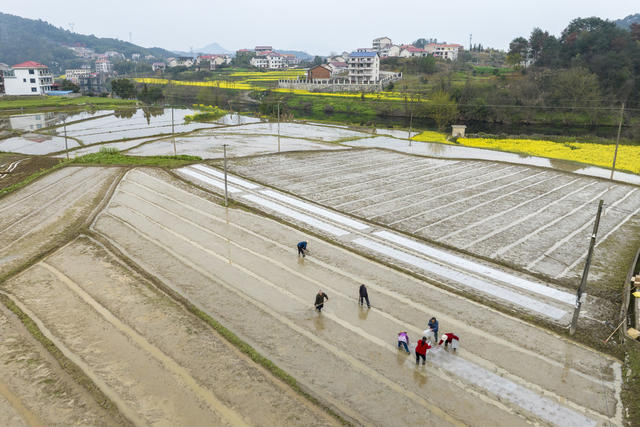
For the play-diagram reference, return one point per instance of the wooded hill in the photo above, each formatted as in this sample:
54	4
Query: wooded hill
24	39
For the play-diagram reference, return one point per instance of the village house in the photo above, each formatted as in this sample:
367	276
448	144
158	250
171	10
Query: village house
74	74
363	66
215	60
181	61
268	59
290	59
158	66
382	46
393	51
444	51
319	72
103	65
28	78
263	49
409	51
338	68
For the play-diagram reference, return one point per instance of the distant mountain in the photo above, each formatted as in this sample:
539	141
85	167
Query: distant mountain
298	53
212	49
24	39
626	22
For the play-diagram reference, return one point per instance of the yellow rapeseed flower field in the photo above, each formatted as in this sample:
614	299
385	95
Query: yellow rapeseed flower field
247	85
582	152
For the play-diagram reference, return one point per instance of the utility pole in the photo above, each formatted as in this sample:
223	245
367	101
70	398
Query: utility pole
224	147
66	147
585	273
615	154
173	136
470	38
278	126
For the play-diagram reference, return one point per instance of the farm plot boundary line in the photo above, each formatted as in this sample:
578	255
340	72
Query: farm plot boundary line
312	280
539	412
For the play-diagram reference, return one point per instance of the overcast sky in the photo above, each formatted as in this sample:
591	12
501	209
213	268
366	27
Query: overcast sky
316	27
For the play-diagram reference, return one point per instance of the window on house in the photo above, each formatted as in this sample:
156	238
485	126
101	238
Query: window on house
24	80
33	89
31	71
32	80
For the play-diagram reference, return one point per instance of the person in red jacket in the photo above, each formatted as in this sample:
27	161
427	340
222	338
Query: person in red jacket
450	338
421	350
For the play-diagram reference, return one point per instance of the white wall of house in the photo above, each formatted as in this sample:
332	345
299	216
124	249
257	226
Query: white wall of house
272	62
28	81
364	67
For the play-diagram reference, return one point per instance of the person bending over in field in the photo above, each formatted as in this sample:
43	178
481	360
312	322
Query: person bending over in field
450	338
403	341
302	248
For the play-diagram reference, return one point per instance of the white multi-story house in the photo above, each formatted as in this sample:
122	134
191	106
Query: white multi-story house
408	51
444	51
28	78
74	75
270	60
363	66
381	44
103	65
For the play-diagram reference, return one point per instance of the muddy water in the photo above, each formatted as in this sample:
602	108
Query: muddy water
211	146
41	214
241	270
237	383
34	390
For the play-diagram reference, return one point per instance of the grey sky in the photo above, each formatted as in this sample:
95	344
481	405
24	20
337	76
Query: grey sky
316	27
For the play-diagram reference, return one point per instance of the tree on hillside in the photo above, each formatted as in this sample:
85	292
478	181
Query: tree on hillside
442	109
420	43
124	88
635	31
518	52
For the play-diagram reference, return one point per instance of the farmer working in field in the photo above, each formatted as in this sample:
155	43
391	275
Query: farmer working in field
302	248
320	297
421	350
450	338
364	295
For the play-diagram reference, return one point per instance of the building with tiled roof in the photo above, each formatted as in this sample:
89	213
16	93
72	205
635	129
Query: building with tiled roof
28	78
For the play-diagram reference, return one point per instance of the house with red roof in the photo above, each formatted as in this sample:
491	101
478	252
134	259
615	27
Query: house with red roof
28	78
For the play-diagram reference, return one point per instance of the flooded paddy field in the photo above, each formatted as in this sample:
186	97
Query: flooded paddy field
539	220
242	269
34	389
210	146
40	216
100	299
293	130
155	361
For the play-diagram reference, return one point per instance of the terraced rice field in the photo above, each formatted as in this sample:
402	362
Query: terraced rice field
538	220
117	274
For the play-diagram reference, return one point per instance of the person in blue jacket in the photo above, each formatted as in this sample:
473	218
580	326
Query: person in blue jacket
433	325
302	248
